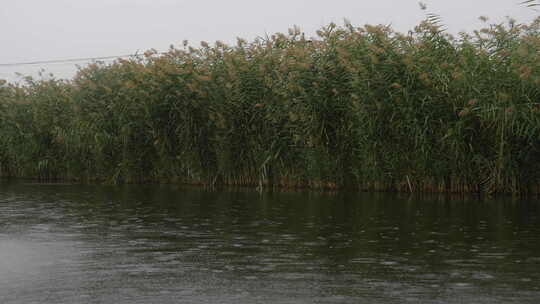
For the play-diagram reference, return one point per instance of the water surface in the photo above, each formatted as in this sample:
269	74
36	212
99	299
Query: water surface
163	244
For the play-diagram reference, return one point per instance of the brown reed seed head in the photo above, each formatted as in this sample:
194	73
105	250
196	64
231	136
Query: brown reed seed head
525	72
464	112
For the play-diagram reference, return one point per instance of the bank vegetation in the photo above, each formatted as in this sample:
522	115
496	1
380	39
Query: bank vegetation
364	108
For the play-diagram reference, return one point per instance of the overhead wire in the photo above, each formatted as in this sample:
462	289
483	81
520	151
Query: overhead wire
69	60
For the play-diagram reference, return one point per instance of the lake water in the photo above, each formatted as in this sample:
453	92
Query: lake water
163	244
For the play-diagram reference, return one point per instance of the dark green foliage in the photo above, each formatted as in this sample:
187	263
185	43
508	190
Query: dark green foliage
364	108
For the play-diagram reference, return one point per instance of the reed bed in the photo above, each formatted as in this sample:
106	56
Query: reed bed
364	108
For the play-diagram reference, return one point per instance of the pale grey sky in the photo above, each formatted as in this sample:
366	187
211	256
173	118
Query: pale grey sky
35	30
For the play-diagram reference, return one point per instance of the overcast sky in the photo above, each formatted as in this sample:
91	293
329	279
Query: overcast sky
35	30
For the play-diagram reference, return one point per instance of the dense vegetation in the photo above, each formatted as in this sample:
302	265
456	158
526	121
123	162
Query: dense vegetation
366	108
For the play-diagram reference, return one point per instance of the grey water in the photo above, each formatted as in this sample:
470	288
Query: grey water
64	243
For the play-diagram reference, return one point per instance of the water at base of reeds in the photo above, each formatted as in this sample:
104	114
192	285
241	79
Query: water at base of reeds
62	243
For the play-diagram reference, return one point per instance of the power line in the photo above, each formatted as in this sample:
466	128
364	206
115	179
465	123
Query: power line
66	60
61	60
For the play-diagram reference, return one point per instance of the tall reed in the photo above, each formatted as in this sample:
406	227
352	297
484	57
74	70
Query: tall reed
356	107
